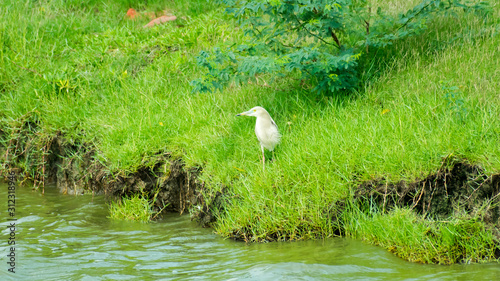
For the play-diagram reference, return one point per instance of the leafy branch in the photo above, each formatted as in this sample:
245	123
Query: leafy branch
312	25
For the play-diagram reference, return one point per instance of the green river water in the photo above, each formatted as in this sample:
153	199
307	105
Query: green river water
63	237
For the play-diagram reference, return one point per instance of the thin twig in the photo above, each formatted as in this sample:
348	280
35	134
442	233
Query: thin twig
409	20
385	196
475	190
368	26
420	196
432	195
323	40
335	37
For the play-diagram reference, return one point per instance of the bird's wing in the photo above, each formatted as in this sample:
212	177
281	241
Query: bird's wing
272	122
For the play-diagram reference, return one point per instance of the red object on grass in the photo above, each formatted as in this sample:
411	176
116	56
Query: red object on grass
160	20
131	13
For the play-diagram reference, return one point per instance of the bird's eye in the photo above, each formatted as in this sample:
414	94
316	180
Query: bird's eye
254	110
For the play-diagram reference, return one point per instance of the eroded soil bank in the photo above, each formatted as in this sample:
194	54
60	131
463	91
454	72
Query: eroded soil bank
457	188
74	168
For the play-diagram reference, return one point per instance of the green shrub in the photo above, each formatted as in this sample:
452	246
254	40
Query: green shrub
324	42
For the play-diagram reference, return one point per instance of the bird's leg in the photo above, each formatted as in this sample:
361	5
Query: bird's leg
263	159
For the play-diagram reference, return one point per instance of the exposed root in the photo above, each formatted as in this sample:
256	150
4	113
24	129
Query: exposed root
457	187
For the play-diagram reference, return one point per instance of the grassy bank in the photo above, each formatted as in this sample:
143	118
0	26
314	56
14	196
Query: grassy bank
100	79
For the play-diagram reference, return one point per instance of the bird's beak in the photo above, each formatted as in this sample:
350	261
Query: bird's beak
243	113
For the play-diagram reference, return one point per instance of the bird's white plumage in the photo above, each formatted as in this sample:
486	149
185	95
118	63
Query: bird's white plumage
267	132
265	129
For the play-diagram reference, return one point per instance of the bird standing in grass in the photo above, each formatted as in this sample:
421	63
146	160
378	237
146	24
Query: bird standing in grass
265	129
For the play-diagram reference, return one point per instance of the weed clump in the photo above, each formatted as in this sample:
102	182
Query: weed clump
416	239
136	207
448	217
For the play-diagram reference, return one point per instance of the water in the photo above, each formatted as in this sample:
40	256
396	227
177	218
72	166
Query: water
63	237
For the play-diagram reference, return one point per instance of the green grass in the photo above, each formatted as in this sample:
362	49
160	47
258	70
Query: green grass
134	208
100	79
410	237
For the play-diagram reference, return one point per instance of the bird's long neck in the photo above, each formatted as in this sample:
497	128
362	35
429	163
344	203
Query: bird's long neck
264	118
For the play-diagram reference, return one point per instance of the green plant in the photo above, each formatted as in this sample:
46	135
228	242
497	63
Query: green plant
410	236
324	42
136	207
454	102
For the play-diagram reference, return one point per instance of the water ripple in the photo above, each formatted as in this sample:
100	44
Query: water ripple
61	237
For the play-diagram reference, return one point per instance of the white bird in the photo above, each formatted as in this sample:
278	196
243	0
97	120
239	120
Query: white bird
265	129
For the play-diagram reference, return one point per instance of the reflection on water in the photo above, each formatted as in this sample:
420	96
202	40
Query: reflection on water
63	237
